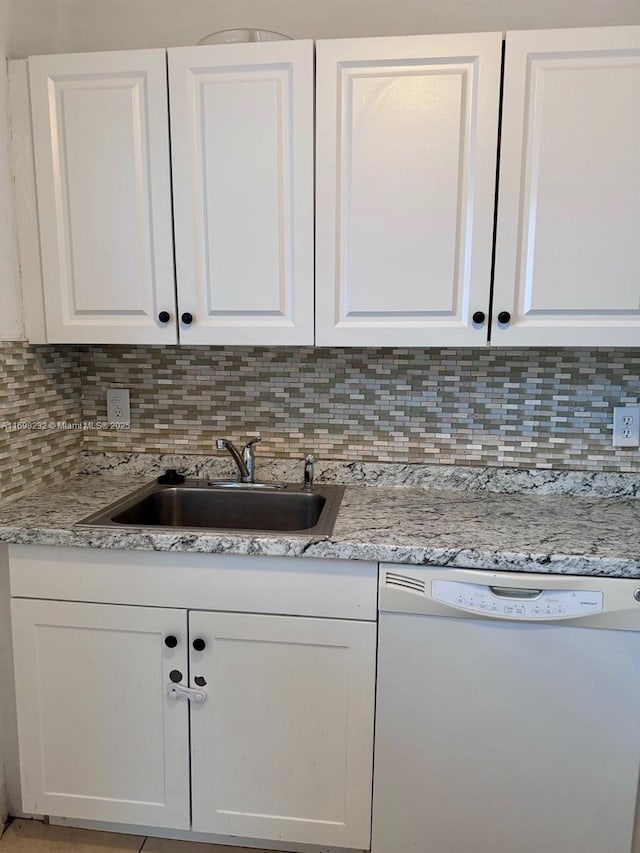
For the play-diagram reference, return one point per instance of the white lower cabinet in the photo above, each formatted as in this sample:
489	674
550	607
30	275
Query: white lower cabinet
281	749
99	737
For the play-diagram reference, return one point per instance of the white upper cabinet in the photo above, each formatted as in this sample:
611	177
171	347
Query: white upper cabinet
100	128
242	149
568	239
407	132
405	191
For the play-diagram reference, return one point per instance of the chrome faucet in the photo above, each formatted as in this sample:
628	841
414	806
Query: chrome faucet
245	459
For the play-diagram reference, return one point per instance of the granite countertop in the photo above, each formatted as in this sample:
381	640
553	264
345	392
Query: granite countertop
552	533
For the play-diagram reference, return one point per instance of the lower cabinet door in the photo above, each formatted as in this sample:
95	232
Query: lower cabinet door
100	739
282	748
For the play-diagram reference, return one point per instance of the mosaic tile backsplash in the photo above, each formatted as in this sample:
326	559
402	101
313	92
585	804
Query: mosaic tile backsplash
40	401
525	408
522	408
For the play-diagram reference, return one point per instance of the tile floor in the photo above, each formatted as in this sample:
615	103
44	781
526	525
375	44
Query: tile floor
31	836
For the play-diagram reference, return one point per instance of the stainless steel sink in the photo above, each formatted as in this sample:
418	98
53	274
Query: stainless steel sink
230	507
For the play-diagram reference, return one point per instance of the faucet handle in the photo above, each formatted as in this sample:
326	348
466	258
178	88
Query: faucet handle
309	461
253	441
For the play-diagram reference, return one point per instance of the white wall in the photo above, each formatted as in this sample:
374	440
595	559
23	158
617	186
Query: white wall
100	25
33	27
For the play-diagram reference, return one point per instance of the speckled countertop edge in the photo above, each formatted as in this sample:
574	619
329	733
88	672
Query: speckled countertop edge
550	533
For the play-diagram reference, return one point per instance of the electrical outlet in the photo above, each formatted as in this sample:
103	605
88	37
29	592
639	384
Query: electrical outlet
118	409
626	426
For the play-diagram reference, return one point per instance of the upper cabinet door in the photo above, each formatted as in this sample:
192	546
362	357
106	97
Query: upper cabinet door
100	125
406	168
242	148
568	240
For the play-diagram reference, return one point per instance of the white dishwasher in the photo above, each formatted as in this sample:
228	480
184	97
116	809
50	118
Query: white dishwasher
508	713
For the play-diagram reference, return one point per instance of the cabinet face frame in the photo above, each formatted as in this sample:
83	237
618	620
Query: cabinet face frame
125	788
101	145
25	201
363	88
568	214
332	589
250	283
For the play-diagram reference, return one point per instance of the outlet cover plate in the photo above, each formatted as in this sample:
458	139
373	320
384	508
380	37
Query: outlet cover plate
118	408
626	426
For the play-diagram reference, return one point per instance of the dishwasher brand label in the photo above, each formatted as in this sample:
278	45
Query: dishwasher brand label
512	603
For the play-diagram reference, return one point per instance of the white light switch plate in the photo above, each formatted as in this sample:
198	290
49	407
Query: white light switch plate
118	409
626	426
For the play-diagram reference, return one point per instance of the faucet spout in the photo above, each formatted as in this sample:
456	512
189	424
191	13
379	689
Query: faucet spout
245	459
229	446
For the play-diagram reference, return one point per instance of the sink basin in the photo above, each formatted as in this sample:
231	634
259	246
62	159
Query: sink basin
256	508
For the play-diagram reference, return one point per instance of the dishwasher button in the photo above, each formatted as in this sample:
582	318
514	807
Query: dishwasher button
520	611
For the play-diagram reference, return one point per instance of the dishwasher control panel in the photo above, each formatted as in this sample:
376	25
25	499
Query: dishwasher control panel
516	603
